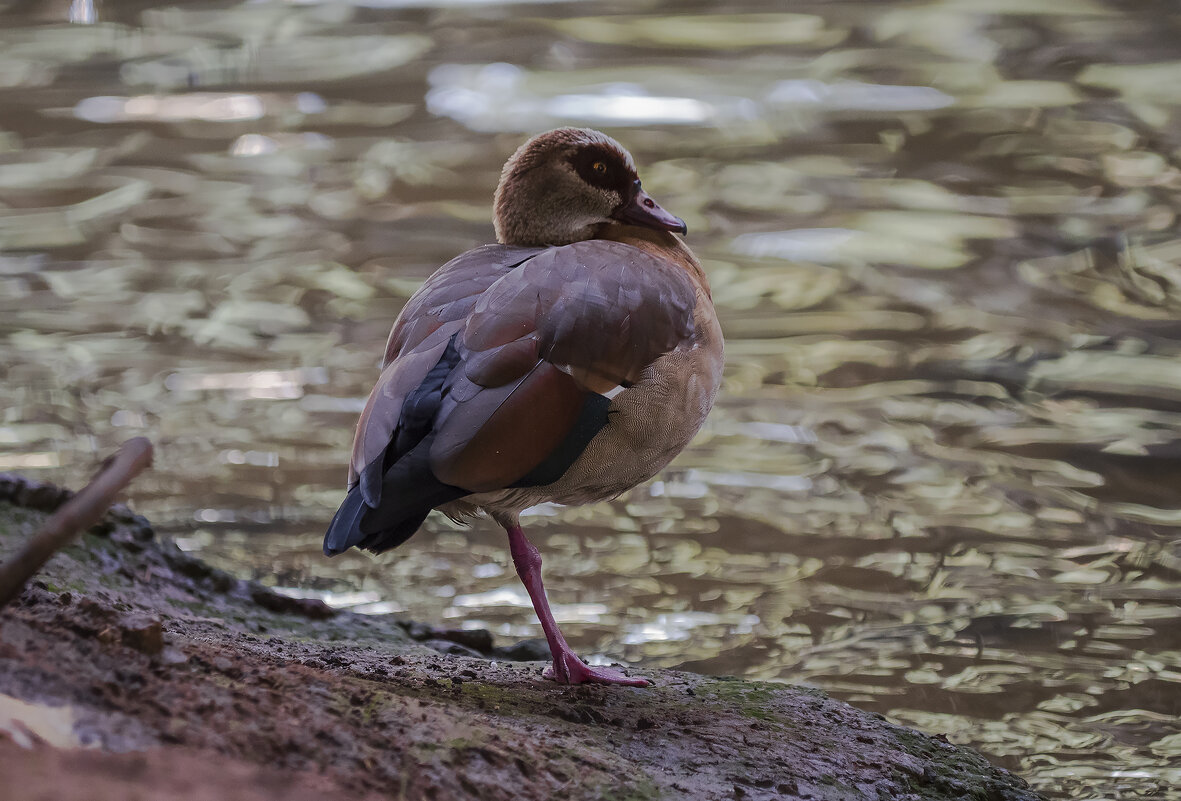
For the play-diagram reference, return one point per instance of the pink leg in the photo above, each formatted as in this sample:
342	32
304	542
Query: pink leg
568	668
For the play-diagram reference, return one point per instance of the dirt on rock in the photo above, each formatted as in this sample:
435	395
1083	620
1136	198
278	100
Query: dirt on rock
131	670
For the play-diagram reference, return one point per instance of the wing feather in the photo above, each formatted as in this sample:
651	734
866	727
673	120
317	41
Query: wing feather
493	372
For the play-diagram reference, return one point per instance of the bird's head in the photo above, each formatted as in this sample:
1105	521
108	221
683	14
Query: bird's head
564	185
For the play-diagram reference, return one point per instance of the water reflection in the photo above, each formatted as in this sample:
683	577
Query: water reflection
941	479
855	96
213	106
501	97
83	12
505	97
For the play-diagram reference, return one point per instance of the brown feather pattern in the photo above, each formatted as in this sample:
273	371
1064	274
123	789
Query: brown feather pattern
583	317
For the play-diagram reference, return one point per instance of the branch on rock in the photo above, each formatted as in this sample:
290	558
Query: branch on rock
77	514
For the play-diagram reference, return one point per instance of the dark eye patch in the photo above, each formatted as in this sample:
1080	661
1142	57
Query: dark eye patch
617	177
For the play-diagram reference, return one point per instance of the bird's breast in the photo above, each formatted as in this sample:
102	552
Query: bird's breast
650	422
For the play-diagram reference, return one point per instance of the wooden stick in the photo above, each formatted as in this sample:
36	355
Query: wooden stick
77	514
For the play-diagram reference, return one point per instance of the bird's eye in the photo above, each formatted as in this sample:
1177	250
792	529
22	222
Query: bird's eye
600	167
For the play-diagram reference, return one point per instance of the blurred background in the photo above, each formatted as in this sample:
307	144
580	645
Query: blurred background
942	479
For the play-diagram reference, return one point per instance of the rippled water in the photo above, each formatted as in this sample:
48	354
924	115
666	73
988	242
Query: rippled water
942	480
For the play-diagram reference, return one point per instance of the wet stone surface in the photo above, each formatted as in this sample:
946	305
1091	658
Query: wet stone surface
112	648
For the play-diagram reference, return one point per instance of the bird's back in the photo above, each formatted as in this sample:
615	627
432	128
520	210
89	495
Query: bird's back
516	375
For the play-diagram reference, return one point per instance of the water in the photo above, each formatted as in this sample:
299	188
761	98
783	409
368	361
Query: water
941	480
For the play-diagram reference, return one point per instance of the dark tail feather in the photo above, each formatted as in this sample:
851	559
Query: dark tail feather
397	490
409	491
382	541
348	527
345	529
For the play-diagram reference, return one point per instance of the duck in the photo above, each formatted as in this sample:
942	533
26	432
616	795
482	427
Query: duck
566	363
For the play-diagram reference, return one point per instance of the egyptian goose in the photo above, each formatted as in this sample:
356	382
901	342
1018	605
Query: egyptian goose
568	363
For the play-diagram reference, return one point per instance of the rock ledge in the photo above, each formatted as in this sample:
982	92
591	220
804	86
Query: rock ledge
129	667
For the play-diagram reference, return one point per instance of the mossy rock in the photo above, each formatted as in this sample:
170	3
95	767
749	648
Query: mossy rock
253	684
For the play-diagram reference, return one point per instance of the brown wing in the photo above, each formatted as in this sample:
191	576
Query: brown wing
450	292
416	342
570	322
493	374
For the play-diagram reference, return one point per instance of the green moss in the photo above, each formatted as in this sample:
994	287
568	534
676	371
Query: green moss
426	749
915	744
495	698
749	699
640	789
88	547
13	519
376	702
473	740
